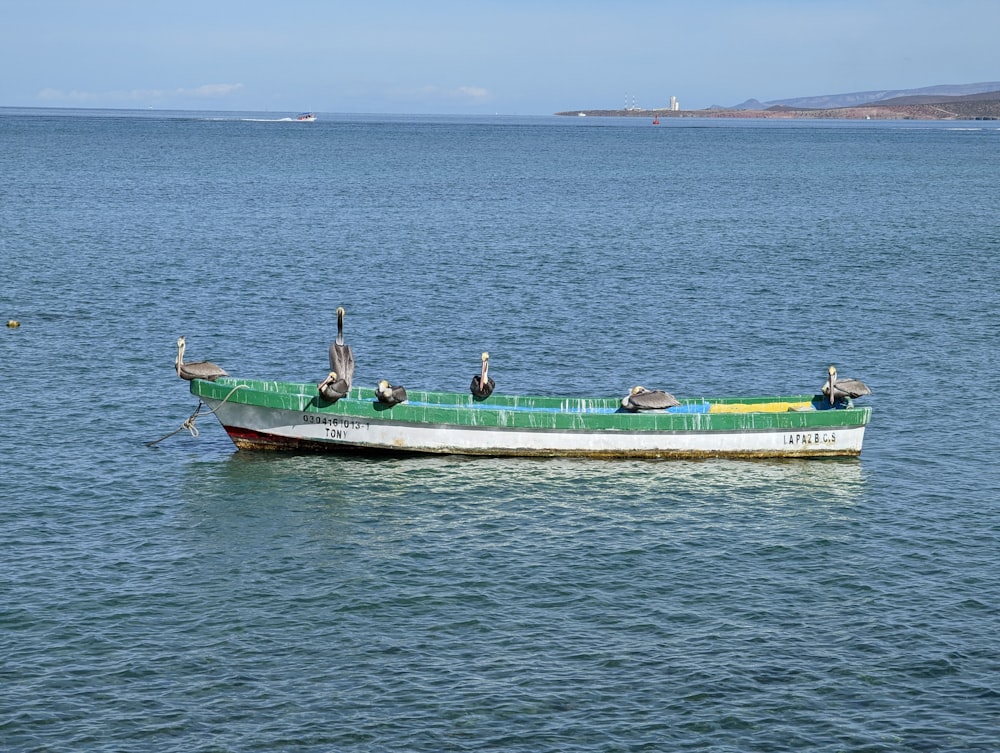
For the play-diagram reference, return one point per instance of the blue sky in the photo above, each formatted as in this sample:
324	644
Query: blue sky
516	57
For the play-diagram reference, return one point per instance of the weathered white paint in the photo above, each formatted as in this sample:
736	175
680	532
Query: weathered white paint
285	426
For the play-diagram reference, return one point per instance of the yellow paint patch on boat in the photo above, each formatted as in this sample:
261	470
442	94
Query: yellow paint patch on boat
776	407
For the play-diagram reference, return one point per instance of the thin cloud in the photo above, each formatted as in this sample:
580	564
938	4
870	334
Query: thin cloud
205	91
212	90
466	93
472	92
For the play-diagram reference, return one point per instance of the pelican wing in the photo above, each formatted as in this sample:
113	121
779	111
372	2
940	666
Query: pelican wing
195	369
481	391
851	387
391	394
201	370
847	387
342	361
333	389
652	400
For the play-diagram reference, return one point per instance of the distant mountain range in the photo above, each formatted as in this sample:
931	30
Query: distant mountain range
944	102
925	95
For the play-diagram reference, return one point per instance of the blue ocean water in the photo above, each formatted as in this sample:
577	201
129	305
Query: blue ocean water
189	597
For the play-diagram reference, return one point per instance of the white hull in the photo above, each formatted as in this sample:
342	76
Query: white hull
253	426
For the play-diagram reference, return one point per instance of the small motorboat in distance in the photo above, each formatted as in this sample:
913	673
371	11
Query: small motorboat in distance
306	117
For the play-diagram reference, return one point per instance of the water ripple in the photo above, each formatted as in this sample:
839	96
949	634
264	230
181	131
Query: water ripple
190	598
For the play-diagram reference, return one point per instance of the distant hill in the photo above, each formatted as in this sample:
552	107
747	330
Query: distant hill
938	99
944	102
856	99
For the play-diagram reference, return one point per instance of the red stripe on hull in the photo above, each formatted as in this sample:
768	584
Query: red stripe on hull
249	439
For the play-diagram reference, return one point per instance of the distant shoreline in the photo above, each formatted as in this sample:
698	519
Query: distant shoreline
974	110
983	110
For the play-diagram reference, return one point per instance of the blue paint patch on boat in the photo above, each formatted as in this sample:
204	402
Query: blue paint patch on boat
702	407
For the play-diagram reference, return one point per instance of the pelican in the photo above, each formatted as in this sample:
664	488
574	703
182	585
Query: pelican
341	357
195	369
835	388
333	387
389	394
639	398
482	386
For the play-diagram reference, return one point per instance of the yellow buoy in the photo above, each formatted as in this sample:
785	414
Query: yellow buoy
12	323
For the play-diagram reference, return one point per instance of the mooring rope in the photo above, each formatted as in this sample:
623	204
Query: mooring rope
189	423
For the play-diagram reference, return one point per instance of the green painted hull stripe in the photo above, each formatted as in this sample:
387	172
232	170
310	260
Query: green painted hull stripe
529	412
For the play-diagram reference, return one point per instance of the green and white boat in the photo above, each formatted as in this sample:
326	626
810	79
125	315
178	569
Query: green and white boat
273	415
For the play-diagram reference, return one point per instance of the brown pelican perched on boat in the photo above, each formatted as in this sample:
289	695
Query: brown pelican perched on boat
389	394
341	357
333	387
845	387
482	386
195	369
639	398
